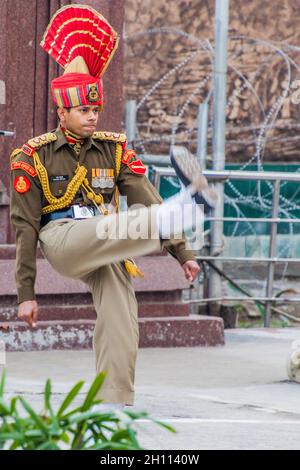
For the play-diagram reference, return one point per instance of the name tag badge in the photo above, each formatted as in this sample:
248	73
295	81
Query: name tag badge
58	178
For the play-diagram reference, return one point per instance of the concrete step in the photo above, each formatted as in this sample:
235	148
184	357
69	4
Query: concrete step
86	311
162	274
67	315
188	331
159	294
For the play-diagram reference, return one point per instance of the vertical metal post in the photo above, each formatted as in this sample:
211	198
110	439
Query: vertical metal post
2	92
202	126
130	121
202	130
219	136
272	252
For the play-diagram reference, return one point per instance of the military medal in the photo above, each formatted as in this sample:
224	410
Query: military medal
96	183
103	178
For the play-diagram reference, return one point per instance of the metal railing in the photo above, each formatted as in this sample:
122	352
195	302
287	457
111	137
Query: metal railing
7	134
276	178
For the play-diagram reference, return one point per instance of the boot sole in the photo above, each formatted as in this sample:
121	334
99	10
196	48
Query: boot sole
189	171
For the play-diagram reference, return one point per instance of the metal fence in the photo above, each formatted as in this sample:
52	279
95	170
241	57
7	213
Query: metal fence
222	176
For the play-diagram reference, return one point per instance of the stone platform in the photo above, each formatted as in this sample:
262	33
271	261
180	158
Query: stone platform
67	315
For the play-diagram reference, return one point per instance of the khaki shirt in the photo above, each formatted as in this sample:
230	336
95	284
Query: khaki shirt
61	160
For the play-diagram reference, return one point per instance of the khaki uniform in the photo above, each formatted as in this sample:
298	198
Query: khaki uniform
73	248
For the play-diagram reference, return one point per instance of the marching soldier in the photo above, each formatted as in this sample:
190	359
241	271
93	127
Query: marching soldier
65	188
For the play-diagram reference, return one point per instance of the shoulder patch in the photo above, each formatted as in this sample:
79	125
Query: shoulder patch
128	155
110	136
137	167
24	166
22	184
38	142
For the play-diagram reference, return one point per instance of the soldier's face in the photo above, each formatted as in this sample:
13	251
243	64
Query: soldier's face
81	120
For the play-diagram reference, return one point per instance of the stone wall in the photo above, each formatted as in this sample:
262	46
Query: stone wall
148	58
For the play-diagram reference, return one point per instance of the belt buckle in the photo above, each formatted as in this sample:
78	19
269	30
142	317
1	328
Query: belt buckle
81	212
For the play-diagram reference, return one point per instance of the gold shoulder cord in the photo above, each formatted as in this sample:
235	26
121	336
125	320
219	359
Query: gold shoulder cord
119	151
72	188
79	180
97	199
130	265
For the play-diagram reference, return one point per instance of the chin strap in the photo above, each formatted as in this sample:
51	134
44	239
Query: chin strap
74	139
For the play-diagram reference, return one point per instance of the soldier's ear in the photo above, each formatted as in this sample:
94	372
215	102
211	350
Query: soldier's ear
61	114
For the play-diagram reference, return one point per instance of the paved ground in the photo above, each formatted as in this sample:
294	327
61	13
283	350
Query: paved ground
232	397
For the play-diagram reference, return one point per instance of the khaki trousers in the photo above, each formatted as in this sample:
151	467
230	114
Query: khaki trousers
74	250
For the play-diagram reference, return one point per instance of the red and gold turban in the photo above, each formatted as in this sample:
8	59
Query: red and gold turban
82	41
77	89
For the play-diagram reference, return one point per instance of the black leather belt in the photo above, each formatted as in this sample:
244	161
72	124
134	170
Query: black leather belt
74	212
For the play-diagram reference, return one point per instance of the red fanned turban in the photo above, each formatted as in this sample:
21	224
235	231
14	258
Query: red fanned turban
82	41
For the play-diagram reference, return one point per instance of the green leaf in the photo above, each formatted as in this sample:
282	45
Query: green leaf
119	435
10	436
13	405
132	435
49	445
71	413
95	387
37	419
95	415
47	396
65	438
4	409
80	428
134	415
2	382
69	398
55	428
125	434
15	445
166	426
34	433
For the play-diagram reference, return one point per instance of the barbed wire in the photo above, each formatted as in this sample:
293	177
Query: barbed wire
260	200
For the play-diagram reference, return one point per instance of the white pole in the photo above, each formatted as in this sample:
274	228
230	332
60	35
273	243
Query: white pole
219	138
130	121
202	126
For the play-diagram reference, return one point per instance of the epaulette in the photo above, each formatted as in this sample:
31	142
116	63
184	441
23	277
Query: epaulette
15	153
37	142
110	136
